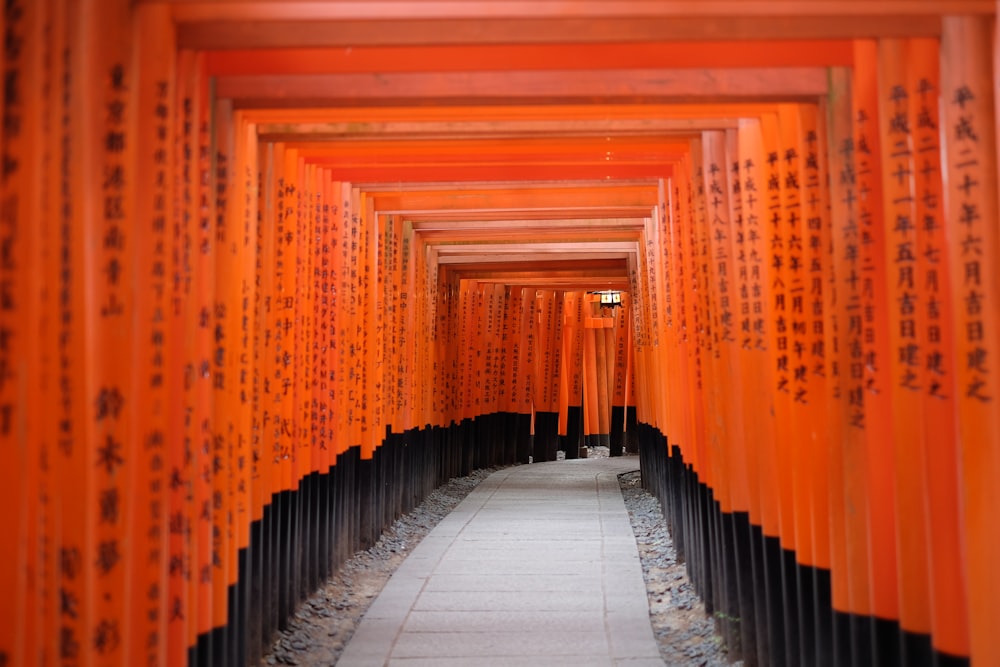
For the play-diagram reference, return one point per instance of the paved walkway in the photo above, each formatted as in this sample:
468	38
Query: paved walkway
537	566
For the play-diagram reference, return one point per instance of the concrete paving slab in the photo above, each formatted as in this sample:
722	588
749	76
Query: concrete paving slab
551	622
537	566
499	582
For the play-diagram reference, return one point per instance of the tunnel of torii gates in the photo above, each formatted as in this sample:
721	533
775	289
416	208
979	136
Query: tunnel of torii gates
272	271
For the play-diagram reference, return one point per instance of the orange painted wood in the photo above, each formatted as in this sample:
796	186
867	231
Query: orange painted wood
182	574
875	328
365	296
46	344
609	359
407	334
460	393
652	295
507	171
797	290
755	361
526	353
514	87
660	335
755	353
971	227
27	371
591	379
259	155
736	330
239	33
546	149
191	10
716	260
302	406
498	352
477	343
202	258
816	262
394	322
772	53
284	444
604	370
846	417
697	285
573	342
107	150
341	198
685	295
948	589
479	359
461	121
25	291
224	325
906	331
513	323
490	335
366	267
308	402
148	490
514	199
430	280
556	351
547	338
619	340
246	174
352	241
778	138
76	573
18	639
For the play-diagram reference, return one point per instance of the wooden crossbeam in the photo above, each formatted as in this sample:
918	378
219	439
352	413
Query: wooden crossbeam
528	257
363	121
430	227
511	171
507	88
231	30
492	217
422	131
474	149
474	57
510	200
199	10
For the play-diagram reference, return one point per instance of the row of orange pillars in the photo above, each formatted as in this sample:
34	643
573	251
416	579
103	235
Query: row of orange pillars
222	370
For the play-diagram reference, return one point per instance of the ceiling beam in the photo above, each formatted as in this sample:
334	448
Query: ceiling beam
512	88
493	129
473	226
382	10
409	174
231	31
492	257
494	57
499	216
513	201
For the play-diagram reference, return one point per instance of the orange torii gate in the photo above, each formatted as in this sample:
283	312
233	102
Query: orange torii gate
254	304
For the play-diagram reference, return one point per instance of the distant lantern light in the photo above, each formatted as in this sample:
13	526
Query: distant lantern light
610	298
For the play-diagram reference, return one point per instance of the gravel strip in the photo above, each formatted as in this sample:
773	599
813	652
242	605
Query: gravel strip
321	628
685	634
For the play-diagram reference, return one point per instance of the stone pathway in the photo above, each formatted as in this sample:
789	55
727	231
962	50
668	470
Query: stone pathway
538	565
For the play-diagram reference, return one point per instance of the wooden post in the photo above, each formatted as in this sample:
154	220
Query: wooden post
883	585
758	366
906	332
971	227
948	589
